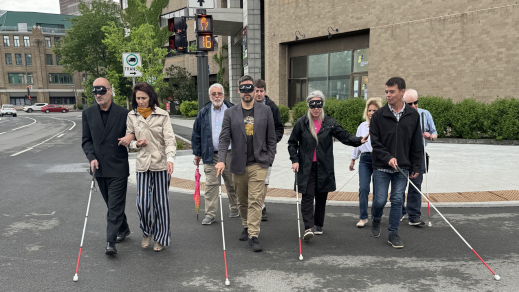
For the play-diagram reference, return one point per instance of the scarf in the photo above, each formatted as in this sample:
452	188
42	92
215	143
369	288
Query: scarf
145	112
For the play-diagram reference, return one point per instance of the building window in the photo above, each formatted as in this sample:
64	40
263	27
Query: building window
58	58
124	4
48	59
47	42
20	78
20	101
56	41
60	78
28	59
339	76
62	100
361	60
318	73
84	77
18	59
177	13
26	41
6	41
8	59
16	40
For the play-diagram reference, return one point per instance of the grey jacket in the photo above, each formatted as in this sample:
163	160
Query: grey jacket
233	130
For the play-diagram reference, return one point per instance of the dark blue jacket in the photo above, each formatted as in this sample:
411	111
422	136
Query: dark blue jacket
202	136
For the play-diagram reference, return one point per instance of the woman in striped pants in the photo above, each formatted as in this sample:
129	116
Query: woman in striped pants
157	147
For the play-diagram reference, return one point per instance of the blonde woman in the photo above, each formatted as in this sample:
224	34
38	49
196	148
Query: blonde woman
157	148
365	167
311	146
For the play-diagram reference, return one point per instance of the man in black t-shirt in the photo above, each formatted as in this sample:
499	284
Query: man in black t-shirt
249	128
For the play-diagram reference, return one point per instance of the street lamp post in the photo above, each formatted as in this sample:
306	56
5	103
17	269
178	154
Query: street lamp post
75	93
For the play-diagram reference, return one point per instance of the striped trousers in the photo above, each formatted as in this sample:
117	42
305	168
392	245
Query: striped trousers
156	183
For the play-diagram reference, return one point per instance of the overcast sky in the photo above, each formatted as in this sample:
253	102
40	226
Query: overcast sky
47	6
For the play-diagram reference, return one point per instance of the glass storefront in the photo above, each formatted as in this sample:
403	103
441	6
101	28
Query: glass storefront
339	74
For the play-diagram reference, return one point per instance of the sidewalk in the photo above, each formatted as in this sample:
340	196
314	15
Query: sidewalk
458	173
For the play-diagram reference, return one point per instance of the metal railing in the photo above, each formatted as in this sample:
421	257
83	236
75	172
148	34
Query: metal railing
11	28
53	30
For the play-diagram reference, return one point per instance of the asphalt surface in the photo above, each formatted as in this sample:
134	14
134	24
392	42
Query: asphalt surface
44	194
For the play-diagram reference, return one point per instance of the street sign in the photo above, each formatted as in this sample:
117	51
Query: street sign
201	4
130	63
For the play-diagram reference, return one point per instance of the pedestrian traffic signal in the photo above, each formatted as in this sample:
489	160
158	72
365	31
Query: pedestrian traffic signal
204	24
204	31
178	41
28	91
205	42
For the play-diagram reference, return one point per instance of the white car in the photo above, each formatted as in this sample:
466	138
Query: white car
35	107
7	109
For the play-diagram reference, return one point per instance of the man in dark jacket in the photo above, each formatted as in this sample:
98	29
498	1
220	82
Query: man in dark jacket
260	89
396	139
104	126
204	141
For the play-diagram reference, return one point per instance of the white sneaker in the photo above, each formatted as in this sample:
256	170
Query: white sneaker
308	234
362	223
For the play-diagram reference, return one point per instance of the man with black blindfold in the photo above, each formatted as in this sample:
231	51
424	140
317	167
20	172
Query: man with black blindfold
104	143
249	128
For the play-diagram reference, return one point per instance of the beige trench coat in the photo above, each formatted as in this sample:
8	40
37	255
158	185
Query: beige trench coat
158	132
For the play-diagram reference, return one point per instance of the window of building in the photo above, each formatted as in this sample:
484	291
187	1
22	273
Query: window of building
48	59
177	13
58	58
8	59
361	60
20	101
28	59
20	78
26	41
18	59
318	73
84	77
62	100
60	78
124	4
339	76
56	41
6	41
16	41
47	42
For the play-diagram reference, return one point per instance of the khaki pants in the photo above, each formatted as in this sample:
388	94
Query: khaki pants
212	184
250	187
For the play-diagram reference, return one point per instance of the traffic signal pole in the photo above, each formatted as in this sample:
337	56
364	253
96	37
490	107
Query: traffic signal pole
202	78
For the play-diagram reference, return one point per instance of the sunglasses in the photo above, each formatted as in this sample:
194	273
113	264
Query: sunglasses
411	103
246	88
100	90
315	104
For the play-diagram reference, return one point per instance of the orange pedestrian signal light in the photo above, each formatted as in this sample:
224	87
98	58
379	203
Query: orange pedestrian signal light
205	42
204	23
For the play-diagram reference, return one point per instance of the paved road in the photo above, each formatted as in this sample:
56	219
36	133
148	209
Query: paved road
43	201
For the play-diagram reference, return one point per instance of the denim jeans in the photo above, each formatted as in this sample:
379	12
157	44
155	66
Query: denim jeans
365	174
414	199
381	187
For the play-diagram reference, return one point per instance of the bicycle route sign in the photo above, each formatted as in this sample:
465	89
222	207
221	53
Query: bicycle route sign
130	63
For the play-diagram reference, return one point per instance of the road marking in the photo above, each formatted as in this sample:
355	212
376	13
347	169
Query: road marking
61	135
74	123
22	151
3	133
25	125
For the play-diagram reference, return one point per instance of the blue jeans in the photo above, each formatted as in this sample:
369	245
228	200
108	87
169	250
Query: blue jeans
414	199
365	174
381	187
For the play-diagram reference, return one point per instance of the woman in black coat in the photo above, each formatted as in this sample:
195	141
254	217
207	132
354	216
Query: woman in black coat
311	147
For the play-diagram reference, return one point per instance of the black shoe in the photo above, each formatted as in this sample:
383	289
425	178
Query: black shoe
122	236
254	244
110	249
244	234
318	230
416	222
394	240
375	228
264	214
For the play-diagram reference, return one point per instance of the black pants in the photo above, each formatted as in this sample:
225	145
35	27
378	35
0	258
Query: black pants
307	202
113	190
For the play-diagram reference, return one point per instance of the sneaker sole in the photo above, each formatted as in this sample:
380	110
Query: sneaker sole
308	236
375	235
416	224
318	233
209	222
395	246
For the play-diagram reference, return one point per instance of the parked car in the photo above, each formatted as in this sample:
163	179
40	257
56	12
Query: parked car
7	109
53	108
34	107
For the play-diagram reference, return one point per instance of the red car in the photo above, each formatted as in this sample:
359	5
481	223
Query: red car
53	108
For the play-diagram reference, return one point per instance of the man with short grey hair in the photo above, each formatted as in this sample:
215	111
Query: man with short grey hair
204	141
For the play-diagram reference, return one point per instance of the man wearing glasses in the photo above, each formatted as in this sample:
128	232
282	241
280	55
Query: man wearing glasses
104	144
204	141
249	128
414	199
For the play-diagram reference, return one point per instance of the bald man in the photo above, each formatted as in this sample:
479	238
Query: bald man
414	199
104	144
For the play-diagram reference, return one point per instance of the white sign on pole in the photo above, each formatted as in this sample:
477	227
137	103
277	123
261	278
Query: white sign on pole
130	63
201	4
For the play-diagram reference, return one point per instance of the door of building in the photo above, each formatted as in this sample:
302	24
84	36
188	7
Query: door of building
359	85
297	90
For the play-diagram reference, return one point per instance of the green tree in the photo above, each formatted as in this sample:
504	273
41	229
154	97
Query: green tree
181	85
138	13
82	48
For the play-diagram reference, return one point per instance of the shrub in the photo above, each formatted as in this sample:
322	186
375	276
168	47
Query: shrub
80	106
284	112
300	109
187	107
502	119
75	107
467	119
192	114
349	113
440	109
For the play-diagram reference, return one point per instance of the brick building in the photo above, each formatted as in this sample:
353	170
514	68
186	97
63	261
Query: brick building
26	58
